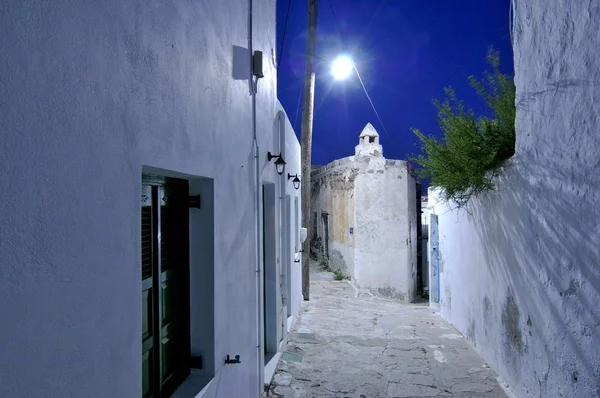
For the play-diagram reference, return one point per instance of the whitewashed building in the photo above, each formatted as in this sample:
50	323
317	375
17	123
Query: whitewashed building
364	219
517	271
146	235
424	243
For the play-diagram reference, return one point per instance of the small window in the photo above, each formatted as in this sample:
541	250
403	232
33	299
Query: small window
371	140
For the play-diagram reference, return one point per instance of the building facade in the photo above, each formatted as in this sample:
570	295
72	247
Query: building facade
364	219
147	235
424	243
517	271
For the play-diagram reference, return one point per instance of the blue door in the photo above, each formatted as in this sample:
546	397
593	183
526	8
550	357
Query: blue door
434	260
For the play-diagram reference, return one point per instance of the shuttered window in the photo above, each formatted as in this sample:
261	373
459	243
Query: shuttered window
165	285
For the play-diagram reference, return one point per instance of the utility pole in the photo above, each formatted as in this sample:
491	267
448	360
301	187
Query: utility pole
308	104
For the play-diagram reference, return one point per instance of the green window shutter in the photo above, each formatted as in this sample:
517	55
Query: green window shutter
165	286
148	317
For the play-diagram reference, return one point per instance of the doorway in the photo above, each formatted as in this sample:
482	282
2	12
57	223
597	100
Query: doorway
287	253
269	273
434	260
325	219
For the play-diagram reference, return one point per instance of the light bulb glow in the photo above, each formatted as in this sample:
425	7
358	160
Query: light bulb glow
342	67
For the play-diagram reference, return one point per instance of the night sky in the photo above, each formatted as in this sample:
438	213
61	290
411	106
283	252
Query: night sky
406	52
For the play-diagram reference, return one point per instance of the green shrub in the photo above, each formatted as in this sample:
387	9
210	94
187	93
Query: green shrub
338	275
468	157
324	263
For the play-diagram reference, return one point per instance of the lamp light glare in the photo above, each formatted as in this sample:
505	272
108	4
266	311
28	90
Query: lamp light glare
342	67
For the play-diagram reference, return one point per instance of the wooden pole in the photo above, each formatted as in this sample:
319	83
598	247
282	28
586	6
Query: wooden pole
308	103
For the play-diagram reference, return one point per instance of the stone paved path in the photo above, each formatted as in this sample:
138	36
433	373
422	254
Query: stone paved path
348	343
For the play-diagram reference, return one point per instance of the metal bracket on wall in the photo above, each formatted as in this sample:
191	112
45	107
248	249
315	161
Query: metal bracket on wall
194	202
232	361
196	362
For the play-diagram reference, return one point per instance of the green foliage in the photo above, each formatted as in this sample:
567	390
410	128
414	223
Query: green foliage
338	275
324	263
468	157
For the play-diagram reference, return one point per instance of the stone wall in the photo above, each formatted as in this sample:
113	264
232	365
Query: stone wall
520	275
371	207
332	193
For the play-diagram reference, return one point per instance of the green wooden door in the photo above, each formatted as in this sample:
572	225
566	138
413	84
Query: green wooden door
165	289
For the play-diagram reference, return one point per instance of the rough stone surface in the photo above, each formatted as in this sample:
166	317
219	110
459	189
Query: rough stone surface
364	346
522	263
364	219
332	192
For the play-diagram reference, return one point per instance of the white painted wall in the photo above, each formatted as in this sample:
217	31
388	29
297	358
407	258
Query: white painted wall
386	218
292	157
424	244
93	93
520	276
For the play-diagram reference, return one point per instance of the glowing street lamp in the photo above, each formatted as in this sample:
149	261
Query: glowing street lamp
342	67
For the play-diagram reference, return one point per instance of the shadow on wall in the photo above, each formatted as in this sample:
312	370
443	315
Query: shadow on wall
241	63
540	233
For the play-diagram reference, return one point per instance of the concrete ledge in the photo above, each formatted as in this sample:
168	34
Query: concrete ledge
290	323
338	163
270	369
195	386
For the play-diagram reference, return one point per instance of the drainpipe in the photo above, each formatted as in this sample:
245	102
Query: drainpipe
282	195
259	342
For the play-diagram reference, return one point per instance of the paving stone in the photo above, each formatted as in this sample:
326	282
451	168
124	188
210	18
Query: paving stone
403	390
289	356
412	378
282	379
353	344
305	335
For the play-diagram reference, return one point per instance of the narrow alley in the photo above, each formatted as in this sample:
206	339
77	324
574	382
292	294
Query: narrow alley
348	343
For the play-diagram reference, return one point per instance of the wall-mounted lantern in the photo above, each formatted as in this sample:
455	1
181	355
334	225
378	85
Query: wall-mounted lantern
295	181
257	64
279	163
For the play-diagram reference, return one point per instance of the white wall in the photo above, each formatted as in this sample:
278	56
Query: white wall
292	157
93	93
386	221
424	244
520	276
376	197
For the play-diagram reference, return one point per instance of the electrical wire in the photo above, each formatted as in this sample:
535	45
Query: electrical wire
371	102
297	110
336	21
287	16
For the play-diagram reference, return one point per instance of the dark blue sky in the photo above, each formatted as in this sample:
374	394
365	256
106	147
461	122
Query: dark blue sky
406	51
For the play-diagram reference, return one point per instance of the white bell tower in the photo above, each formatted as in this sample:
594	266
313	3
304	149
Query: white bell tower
368	144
